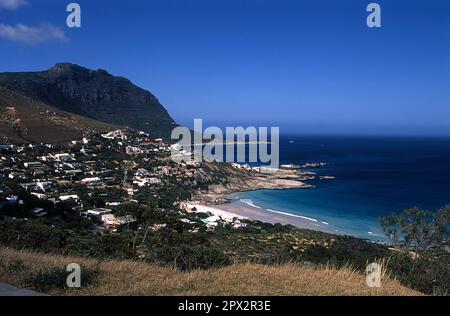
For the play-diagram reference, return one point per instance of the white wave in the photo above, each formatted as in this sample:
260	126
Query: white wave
250	203
289	214
325	223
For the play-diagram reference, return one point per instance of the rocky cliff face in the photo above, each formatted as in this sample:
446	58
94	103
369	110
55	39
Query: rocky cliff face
95	94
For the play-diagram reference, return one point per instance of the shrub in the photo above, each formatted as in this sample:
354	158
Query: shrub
107	246
11	267
32	234
54	278
343	251
425	274
188	258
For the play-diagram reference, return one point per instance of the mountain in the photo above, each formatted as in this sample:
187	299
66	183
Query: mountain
24	120
94	94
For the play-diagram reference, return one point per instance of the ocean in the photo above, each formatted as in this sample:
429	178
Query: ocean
374	177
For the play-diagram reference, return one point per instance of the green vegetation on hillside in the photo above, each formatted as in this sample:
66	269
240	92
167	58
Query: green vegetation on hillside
162	238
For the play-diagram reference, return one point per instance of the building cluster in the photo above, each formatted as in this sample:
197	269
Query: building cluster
119	161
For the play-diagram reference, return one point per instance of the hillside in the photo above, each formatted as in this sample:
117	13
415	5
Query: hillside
95	94
41	272
23	119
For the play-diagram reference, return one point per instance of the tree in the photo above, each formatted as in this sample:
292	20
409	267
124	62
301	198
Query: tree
147	197
146	216
417	229
391	229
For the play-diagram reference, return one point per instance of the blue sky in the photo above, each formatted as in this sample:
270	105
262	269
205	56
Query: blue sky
306	66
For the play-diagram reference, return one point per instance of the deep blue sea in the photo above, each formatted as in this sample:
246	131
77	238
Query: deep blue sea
375	176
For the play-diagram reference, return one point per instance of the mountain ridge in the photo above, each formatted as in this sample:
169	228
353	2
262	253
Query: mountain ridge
94	94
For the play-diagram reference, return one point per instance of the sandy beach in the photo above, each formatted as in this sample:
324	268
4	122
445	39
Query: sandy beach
216	200
271	216
245	210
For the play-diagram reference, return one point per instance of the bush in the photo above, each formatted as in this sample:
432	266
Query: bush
188	258
55	278
107	246
343	251
11	267
425	274
32	234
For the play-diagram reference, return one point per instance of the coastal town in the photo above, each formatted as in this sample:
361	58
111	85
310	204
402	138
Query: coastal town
119	195
220	152
94	176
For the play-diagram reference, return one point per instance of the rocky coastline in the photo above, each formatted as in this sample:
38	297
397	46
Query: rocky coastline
252	180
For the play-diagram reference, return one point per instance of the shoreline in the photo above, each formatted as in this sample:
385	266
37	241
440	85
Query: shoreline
250	180
219	199
223	200
237	209
257	213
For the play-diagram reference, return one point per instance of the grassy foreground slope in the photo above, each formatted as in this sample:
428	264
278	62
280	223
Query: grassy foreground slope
46	273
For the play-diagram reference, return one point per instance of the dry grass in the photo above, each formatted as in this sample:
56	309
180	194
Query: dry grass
138	278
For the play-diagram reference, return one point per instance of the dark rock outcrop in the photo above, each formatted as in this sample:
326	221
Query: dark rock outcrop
95	94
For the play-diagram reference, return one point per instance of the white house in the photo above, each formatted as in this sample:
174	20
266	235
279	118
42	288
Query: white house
92	181
32	165
62	157
74	197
